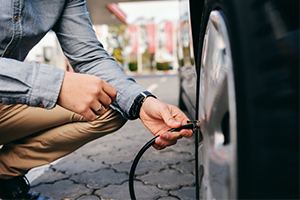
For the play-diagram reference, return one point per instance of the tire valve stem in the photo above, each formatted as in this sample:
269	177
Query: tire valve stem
190	125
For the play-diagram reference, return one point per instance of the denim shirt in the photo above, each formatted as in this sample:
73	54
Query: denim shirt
23	23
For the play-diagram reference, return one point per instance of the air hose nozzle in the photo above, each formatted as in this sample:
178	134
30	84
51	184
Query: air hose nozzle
190	125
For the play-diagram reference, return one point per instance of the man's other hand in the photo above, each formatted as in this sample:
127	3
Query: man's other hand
86	95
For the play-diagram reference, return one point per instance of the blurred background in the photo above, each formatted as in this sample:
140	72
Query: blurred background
140	35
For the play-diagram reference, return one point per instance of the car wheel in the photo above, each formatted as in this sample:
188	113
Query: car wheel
248	92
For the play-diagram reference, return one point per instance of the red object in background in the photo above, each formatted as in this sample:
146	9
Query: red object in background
169	36
134	38
115	9
151	30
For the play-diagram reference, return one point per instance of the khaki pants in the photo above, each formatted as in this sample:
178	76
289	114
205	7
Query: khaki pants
33	137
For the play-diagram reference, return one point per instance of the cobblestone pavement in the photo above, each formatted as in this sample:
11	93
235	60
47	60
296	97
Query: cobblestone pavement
100	169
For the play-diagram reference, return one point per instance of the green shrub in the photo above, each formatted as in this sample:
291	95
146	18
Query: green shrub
181	62
192	61
132	66
162	65
117	54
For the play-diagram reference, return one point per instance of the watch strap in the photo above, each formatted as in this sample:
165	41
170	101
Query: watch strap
137	104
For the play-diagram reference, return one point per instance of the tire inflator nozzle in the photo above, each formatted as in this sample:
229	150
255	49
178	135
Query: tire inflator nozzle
190	125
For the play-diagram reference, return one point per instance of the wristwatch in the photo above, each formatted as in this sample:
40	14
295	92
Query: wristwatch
134	111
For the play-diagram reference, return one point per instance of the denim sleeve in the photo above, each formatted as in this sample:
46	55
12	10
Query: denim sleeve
87	55
29	83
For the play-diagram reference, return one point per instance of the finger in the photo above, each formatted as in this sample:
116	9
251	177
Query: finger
168	118
100	109
186	133
157	147
163	143
110	91
104	99
89	115
170	135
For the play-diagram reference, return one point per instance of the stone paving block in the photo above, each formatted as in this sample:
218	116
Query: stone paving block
187	141
104	155
141	135
133	146
65	189
71	157
124	144
169	156
49	176
121	192
167	198
134	149
88	197
78	165
185	167
136	131
114	140
185	145
130	146
143	167
100	178
186	193
95	147
168	179
113	159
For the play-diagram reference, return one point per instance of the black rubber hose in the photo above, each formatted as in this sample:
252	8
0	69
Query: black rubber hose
145	147
134	164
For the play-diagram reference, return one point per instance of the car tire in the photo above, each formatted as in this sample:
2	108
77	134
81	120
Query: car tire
265	64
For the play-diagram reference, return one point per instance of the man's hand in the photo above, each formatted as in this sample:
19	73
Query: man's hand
85	94
159	117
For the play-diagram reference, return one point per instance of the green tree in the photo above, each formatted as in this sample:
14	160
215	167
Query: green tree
118	40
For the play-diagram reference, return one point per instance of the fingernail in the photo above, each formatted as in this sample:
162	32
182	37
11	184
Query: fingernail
160	142
165	136
176	123
185	134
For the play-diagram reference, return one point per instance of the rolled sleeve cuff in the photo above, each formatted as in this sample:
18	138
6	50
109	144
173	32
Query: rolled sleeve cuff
126	100
46	87
126	96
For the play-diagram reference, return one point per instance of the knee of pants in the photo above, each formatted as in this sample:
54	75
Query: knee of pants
109	122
